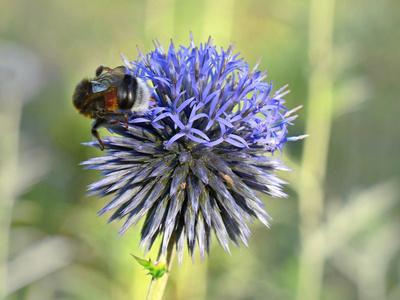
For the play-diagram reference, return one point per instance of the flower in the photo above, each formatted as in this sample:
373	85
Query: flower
190	164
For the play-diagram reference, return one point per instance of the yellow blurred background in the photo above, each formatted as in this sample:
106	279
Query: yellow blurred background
335	237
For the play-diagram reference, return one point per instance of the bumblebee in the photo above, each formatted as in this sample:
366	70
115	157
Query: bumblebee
110	97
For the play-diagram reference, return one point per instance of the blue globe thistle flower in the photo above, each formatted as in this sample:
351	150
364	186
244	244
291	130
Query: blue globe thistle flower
190	164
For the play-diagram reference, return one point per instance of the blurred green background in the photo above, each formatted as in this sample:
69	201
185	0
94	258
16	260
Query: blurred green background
335	237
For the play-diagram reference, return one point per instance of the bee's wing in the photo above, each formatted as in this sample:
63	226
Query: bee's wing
108	80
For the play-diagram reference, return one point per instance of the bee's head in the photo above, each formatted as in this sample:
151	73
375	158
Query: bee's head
82	91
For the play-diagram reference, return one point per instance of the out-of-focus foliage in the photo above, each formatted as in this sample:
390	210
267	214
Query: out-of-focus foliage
52	246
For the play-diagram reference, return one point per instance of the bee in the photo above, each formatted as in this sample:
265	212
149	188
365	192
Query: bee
110	97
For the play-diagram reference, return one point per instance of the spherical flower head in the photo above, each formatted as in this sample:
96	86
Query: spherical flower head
191	163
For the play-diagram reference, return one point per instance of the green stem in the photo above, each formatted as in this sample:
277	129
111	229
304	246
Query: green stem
157	286
9	152
315	152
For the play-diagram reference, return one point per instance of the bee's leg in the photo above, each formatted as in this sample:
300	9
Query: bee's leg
111	113
126	120
95	133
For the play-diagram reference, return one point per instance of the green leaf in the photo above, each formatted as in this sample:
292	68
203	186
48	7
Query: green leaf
156	269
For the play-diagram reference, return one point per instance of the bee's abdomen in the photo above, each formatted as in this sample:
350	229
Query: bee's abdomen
126	92
133	94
